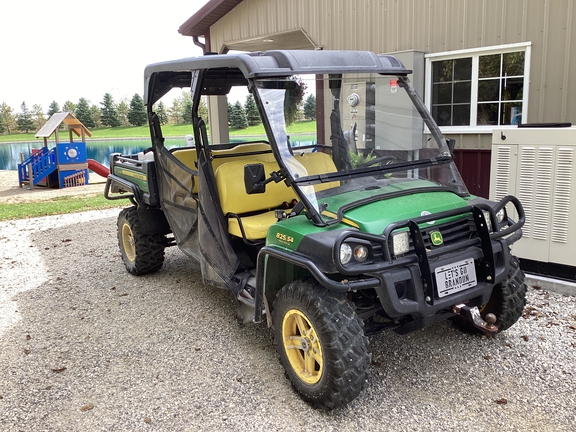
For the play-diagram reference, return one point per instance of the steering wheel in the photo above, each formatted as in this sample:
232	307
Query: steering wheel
382	160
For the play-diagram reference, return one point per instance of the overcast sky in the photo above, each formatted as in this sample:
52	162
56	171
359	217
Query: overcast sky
64	50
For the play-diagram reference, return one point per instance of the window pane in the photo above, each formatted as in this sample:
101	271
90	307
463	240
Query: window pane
442	71
512	113
442	93
512	88
488	90
463	69
489	66
487	114
462	92
513	64
461	115
442	115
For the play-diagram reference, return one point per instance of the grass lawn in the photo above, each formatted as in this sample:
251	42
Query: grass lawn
58	205
171	130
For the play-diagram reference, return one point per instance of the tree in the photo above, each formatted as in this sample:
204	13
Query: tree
175	111
8	117
123	110
24	119
295	91
252	114
203	110
137	111
108	113
69	106
84	114
96	115
53	109
238	118
2	125
161	112
38	116
310	107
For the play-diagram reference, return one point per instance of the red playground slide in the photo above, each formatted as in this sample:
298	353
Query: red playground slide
98	168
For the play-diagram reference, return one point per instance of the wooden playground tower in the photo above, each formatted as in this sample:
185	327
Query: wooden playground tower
65	164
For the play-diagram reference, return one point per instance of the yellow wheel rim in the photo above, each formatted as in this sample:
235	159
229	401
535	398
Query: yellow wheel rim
302	346
128	242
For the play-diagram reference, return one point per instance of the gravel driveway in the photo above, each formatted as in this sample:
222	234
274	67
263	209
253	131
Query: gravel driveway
84	346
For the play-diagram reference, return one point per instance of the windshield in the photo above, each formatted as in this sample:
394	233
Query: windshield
368	136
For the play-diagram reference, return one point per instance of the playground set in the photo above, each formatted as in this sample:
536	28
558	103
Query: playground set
65	165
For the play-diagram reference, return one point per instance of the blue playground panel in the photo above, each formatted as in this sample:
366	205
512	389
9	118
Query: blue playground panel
71	153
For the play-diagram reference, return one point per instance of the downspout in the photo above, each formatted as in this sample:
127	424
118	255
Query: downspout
199	44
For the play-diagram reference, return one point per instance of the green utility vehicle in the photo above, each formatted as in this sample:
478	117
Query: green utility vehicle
331	227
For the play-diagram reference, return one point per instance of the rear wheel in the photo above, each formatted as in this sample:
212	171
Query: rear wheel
142	253
506	302
321	344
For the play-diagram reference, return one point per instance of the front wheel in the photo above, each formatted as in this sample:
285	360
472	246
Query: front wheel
321	344
142	253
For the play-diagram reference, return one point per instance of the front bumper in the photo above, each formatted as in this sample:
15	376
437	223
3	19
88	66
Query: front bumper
406	286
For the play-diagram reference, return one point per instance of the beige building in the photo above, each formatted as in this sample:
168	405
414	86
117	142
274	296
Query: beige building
479	64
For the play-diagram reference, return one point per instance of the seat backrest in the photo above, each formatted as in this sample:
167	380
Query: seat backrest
233	196
318	163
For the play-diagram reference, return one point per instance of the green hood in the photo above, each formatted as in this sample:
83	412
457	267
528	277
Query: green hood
375	217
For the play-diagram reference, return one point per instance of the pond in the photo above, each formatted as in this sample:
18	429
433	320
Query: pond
100	150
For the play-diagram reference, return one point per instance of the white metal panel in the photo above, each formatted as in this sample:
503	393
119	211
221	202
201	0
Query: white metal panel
543	178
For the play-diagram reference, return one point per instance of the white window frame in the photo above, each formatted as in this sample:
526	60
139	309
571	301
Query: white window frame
475	54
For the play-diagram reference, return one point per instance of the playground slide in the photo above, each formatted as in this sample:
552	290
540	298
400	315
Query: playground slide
98	168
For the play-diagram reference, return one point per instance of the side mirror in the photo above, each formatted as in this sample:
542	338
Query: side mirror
254	178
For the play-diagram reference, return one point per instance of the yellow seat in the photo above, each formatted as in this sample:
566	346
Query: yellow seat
254	212
318	163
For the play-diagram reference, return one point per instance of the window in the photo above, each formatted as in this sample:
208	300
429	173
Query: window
478	88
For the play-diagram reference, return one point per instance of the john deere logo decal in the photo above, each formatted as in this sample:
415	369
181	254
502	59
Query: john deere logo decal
436	238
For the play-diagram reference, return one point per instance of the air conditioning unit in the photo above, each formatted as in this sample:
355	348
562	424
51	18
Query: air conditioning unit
536	164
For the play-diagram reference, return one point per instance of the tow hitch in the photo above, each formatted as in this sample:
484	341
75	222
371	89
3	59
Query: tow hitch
473	315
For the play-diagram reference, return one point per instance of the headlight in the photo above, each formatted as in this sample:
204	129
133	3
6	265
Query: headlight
360	253
345	253
488	220
400	243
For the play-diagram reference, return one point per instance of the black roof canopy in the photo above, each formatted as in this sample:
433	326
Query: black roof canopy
177	73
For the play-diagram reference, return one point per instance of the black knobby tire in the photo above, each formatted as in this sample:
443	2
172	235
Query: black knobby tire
142	253
507	301
321	343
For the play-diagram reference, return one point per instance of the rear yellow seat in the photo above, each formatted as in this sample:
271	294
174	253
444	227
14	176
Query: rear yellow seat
236	203
189	157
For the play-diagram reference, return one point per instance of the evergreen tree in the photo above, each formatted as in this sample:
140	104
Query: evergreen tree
69	106
24	119
108	113
203	110
8	118
252	114
38	116
96	115
175	111
2	125
137	111
229	109
53	109
310	107
187	110
238	118
123	110
84	114
162	113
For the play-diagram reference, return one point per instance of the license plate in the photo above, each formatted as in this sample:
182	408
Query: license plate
455	277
